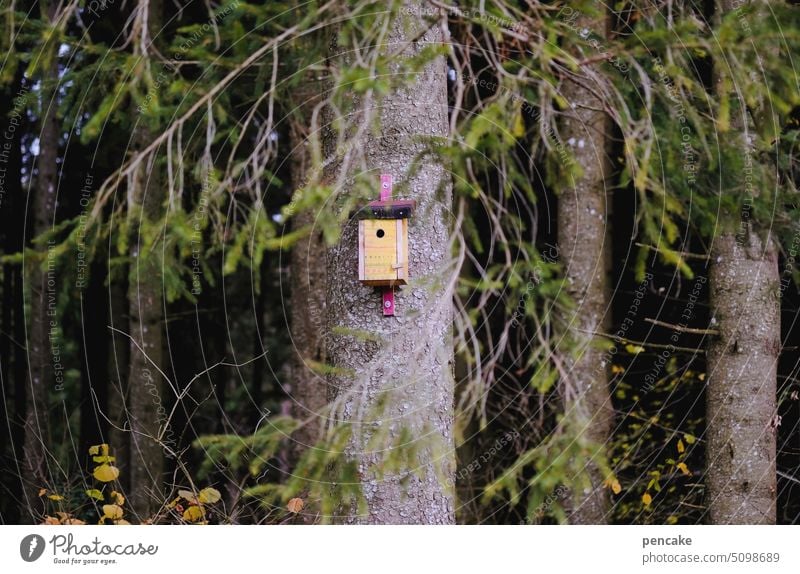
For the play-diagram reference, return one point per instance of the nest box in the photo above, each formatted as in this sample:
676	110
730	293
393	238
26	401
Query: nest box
383	243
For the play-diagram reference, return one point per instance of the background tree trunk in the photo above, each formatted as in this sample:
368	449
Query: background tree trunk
40	358
585	249
307	289
741	405
401	366
145	389
742	363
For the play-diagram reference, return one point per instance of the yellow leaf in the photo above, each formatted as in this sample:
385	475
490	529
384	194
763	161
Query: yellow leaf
681	448
112	511
683	468
193	514
295	505
99	449
617	369
118	498
702	376
689	438
188	495
106	473
647	499
616	488
104	458
209	495
55	497
42	492
122	522
51	520
634	349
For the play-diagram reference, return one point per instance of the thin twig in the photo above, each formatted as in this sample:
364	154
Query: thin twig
682	329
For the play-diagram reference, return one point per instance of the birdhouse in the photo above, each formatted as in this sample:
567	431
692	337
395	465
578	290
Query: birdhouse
383	243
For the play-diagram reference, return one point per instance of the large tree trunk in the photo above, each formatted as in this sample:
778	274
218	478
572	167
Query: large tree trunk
741	404
40	275
395	374
742	367
147	403
584	246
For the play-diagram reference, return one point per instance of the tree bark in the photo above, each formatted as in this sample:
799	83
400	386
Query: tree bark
308	304
395	374
741	403
584	245
43	335
742	372
145	389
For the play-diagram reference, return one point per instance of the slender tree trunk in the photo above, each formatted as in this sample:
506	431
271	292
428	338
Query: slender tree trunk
145	389
741	403
584	246
145	394
307	284
41	282
394	375
118	366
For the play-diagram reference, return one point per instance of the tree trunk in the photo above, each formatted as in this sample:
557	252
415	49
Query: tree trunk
145	389
394	374
43	335
741	403
307	284
146	354
118	365
742	367
584	246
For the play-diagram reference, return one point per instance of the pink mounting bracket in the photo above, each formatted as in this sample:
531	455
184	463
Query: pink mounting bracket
388	292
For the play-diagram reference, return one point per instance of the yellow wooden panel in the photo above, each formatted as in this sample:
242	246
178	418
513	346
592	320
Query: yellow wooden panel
379	254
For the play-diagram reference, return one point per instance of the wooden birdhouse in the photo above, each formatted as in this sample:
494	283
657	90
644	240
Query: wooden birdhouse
383	243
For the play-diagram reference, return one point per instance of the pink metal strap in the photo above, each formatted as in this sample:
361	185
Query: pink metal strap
386	187
388	301
388	292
